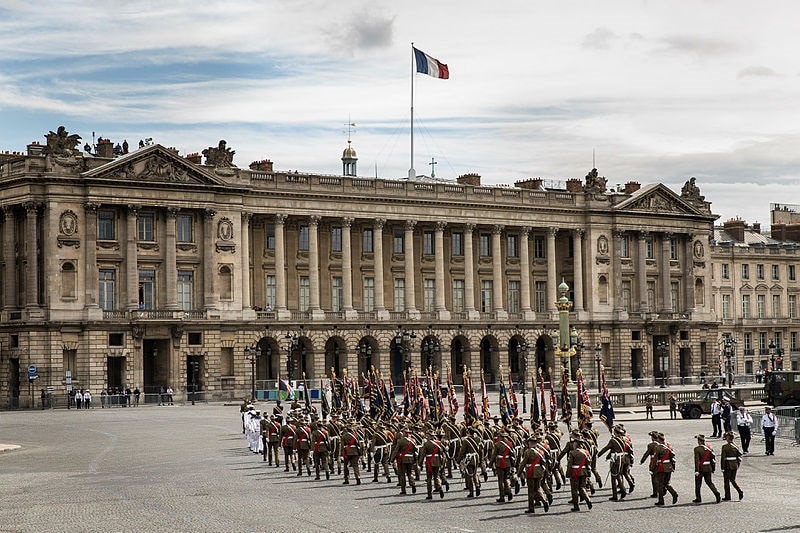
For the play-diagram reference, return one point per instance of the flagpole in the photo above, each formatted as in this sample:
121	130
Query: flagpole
412	174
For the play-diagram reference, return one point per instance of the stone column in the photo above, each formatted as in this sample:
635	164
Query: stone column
688	275
411	306
469	274
90	272
280	268
525	274
377	236
616	272
313	267
131	259
171	259
641	274
666	300
347	269
246	274
497	274
577	269
209	267
31	255
441	309
10	259
552	282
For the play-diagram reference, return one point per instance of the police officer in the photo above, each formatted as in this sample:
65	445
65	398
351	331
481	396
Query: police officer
704	466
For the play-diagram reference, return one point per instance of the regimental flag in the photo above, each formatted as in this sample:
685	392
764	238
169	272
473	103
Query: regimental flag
566	406
585	402
505	408
451	394
284	389
541	389
606	410
326	408
484	399
512	397
582	416
430	66
553	402
536	414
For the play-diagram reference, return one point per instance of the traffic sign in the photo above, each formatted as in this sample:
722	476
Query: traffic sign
32	370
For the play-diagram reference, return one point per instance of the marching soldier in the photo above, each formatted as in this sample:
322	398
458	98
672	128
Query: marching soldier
534	467
273	440
404	452
264	428
470	455
704	466
731	457
287	443
431	456
650	452
578	466
302	443
502	461
351	452
319	438
381	449
618	459
664	465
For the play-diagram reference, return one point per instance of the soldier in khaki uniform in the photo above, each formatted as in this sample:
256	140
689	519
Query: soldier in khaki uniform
663	466
731	457
704	466
431	455
618	459
534	468
302	443
287	443
503	459
470	455
320	442
578	467
351	452
650	452
404	451
273	440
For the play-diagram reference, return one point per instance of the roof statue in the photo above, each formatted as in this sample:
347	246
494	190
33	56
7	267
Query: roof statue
222	156
691	192
594	183
61	143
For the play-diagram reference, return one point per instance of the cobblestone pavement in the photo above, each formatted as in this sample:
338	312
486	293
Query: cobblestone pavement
187	468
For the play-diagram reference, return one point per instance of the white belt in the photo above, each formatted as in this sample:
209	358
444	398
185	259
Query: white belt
382	446
576	467
470	456
335	437
731	458
706	463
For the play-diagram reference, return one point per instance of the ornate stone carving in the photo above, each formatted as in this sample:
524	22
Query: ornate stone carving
698	249
657	202
220	157
691	192
441	225
225	236
379	224
594	183
410	225
280	218
497	229
90	208
602	245
347	222
157	168
61	144
68	230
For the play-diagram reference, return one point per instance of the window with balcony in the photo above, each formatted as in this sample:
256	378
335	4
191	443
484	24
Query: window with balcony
428	295
272	291
675	296
399	294
337	293
760	306
745	306
457	243
147	288
145	225
304	294
486	296
106	289
458	295
776	306
540	296
513	296
726	306
369	294
186	290
184	228
106	230
792	306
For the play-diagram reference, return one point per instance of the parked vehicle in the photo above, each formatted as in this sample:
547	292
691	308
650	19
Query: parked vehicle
781	387
701	404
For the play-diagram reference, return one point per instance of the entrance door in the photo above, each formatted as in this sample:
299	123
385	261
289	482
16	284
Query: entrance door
115	370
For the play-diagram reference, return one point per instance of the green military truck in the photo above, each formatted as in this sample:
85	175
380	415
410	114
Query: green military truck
782	387
701	403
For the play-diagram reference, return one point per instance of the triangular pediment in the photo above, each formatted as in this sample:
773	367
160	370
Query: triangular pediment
656	198
153	164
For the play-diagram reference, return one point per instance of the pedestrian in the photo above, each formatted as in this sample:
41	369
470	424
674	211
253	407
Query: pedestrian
78	398
743	423
731	458
87	399
161	393
648	404
169	394
716	419
673	407
704	466
714	385
136	394
769	427
128	395
103	396
44	398
727	411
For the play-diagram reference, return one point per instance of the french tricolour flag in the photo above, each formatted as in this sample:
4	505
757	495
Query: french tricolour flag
430	66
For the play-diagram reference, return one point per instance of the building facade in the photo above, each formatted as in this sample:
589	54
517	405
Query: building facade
147	268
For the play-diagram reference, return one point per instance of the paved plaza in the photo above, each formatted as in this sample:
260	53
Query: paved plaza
187	468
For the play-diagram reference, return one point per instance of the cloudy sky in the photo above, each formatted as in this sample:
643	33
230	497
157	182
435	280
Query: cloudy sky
658	91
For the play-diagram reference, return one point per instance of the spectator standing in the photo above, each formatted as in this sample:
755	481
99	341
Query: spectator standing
673	407
44	398
743	423
128	395
78	399
727	411
759	375
70	398
648	404
161	393
716	419
169	394
87	399
136	394
103	396
769	426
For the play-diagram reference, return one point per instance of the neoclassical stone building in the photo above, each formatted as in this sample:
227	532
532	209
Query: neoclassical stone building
146	268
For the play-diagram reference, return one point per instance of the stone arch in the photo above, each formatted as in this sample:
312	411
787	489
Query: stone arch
430	352
489	357
544	356
335	355
367	354
459	357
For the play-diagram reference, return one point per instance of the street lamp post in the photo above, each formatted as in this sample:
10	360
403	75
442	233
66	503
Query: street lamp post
403	340
663	350
291	345
522	352
364	351
597	359
252	353
730	350
772	354
429	349
566	339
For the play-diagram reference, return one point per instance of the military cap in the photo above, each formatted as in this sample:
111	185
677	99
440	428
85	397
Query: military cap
653	433
575	434
700	436
729	434
533	438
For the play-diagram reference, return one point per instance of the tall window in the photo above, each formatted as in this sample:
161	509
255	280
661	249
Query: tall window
457	240
759	271
745	306
513	296
648	247
184	228
147	286
270	230
185	290
304	294
792	306
399	242
748	343
540	296
427	243
626	294
673	249
651	295
369	294
272	291
793	341
486	296
145	224
761	304
458	295
368	241
107	289
726	306
624	248
336	239
776	306
762	342
725	271
675	293
485	245
302	239
105	226
337	293
512	244
538	247
428	295
745	271
775	273
399	294
791	272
